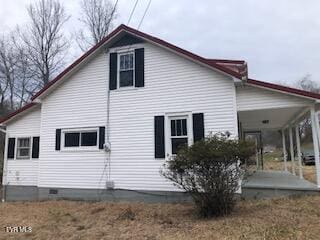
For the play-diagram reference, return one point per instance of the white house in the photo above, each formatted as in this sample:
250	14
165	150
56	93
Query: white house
103	128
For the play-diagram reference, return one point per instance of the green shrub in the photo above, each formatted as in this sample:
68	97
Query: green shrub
210	171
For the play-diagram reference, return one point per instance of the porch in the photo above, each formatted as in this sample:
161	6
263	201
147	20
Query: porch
265	184
261	110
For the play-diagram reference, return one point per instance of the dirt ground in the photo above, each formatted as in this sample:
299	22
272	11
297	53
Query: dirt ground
294	218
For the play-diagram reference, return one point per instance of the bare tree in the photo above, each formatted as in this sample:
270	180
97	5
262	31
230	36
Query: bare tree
306	83
16	74
7	72
97	17
44	40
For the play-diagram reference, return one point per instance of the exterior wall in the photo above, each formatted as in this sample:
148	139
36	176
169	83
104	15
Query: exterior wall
81	101
23	172
172	84
253	98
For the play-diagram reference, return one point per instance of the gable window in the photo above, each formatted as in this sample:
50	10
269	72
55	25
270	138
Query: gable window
126	69
23	148
82	138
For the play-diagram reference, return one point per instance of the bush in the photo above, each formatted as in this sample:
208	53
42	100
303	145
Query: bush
210	171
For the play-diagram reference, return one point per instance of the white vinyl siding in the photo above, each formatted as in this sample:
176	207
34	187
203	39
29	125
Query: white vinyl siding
172	84
80	102
23	172
254	98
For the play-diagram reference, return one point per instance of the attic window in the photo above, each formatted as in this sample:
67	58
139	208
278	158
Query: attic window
126	69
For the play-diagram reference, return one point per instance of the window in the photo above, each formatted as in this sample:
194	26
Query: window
23	148
126	69
80	138
179	133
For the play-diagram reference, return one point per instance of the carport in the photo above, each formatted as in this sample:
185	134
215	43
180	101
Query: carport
263	107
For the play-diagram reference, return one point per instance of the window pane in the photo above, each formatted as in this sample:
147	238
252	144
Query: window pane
71	139
178	122
89	139
177	143
122	62
173	127
24	142
126	78
126	62
24	152
184	127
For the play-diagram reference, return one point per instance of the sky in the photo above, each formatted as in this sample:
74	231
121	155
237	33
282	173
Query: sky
279	39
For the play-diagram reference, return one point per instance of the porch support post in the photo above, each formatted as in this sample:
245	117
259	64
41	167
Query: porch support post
299	151
292	151
284	150
315	134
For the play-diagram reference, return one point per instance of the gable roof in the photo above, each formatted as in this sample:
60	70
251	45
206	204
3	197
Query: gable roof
284	89
124	28
234	68
17	113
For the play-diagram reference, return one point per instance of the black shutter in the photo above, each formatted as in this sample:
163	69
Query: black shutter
113	69
11	145
198	126
101	137
35	147
159	144
139	67
58	139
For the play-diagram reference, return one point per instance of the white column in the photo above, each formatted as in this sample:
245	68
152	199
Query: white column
299	151
284	150
315	134
292	151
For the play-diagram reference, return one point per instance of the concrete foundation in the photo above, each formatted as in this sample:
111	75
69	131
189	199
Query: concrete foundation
32	193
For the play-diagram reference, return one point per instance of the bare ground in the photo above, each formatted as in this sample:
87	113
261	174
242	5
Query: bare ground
293	218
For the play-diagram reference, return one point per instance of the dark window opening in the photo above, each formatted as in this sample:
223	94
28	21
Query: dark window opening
126	78
89	139
71	139
178	143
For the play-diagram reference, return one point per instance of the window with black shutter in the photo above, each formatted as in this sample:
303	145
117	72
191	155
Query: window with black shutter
179	133
126	69
86	138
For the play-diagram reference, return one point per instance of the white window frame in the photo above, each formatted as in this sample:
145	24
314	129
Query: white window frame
122	53
79	130
168	137
17	148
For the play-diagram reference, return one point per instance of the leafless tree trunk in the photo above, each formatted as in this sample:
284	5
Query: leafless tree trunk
7	71
97	17
306	83
44	40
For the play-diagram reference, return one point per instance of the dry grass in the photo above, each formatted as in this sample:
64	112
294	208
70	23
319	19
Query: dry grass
309	171
294	218
272	162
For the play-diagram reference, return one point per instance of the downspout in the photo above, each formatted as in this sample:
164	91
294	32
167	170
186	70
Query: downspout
107	146
4	173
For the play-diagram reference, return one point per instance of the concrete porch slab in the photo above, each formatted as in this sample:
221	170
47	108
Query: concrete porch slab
268	184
